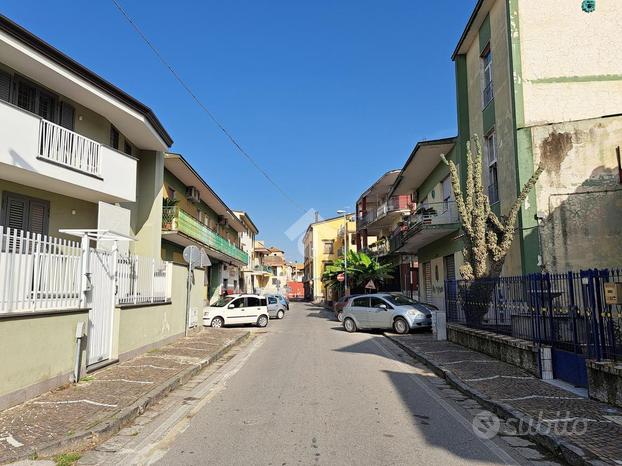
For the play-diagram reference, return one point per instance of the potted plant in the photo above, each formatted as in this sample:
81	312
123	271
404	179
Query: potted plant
168	212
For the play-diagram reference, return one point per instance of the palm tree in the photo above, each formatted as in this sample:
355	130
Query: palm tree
360	269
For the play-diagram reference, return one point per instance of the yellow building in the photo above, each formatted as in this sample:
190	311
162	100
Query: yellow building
324	244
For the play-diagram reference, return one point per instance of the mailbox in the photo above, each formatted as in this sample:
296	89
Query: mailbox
613	293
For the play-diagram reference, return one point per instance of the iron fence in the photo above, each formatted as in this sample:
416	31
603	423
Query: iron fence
567	311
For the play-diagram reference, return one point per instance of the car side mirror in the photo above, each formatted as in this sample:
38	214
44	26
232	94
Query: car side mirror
230	306
382	306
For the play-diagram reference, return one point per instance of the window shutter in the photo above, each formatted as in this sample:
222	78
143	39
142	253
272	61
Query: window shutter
16	212
66	115
5	86
38	217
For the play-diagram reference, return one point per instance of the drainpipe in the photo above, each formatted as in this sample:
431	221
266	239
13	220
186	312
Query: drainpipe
78	355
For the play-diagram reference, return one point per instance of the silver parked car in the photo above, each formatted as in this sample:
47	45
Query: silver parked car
276	306
386	311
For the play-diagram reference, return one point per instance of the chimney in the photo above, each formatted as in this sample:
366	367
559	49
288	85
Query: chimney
317	217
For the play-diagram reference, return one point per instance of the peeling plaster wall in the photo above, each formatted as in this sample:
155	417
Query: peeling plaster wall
571	61
579	193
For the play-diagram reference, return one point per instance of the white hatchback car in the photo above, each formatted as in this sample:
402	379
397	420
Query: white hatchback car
233	310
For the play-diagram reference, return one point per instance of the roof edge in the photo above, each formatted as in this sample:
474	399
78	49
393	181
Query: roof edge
470	22
51	52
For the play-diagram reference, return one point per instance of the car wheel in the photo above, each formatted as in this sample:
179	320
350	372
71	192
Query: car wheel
349	325
400	326
280	314
262	321
217	322
340	316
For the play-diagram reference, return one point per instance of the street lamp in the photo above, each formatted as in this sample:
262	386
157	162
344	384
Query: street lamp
345	250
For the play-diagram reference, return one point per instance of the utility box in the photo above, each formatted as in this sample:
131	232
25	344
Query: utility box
613	293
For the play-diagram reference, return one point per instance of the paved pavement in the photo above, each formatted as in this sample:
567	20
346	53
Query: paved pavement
594	427
68	417
306	392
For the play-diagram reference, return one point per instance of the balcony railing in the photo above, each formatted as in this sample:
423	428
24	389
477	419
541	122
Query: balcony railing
64	147
394	204
434	214
176	219
379	248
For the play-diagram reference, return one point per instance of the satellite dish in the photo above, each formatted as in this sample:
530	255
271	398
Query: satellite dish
196	257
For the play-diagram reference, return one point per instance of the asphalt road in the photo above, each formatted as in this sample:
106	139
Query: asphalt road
310	393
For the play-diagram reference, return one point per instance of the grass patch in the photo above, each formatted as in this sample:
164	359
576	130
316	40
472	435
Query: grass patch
67	459
87	378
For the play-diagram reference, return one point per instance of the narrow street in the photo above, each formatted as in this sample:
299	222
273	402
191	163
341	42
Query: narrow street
307	392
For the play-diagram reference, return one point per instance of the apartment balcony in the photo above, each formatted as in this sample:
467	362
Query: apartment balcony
385	214
379	248
365	218
179	227
36	152
274	261
429	223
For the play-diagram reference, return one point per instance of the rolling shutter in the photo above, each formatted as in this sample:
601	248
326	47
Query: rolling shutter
16	212
450	267
38	217
5	86
427	278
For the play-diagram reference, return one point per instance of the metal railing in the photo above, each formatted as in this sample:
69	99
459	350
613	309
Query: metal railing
143	280
64	147
435	213
176	219
38	272
393	204
567	311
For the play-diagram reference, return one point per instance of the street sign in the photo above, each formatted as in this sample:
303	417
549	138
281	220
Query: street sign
196	257
370	285
341	277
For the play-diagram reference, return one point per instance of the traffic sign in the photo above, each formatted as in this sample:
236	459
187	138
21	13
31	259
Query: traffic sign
370	285
196	257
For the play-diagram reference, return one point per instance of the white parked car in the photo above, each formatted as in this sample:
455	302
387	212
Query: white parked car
240	309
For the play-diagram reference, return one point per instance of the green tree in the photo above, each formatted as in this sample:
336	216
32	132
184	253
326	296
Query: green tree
360	269
487	237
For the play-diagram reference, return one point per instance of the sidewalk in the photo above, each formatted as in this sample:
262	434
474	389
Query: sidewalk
94	409
512	393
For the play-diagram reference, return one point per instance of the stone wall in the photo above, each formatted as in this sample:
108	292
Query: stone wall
605	381
518	352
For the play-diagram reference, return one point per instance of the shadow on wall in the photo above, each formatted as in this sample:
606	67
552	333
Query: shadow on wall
583	228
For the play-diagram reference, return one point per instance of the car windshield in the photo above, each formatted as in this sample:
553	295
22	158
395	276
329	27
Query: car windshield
222	302
400	300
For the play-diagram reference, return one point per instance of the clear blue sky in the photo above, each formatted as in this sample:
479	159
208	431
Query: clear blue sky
325	95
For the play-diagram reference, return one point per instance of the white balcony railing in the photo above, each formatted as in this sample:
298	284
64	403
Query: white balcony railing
62	146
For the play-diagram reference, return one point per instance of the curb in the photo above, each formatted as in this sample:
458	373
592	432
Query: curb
110	426
568	451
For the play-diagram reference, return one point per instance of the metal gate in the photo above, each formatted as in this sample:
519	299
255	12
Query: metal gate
427	281
101	300
574	320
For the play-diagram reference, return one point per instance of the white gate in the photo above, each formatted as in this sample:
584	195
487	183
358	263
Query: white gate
101	299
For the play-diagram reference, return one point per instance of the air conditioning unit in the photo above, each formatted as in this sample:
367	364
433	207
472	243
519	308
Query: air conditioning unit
222	220
193	195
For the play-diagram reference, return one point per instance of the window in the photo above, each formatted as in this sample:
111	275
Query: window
487	88
238	303
36	100
376	302
360	302
114	137
328	247
253	302
271	300
127	148
25	213
492	183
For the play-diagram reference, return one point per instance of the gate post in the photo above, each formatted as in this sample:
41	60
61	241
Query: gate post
85	285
